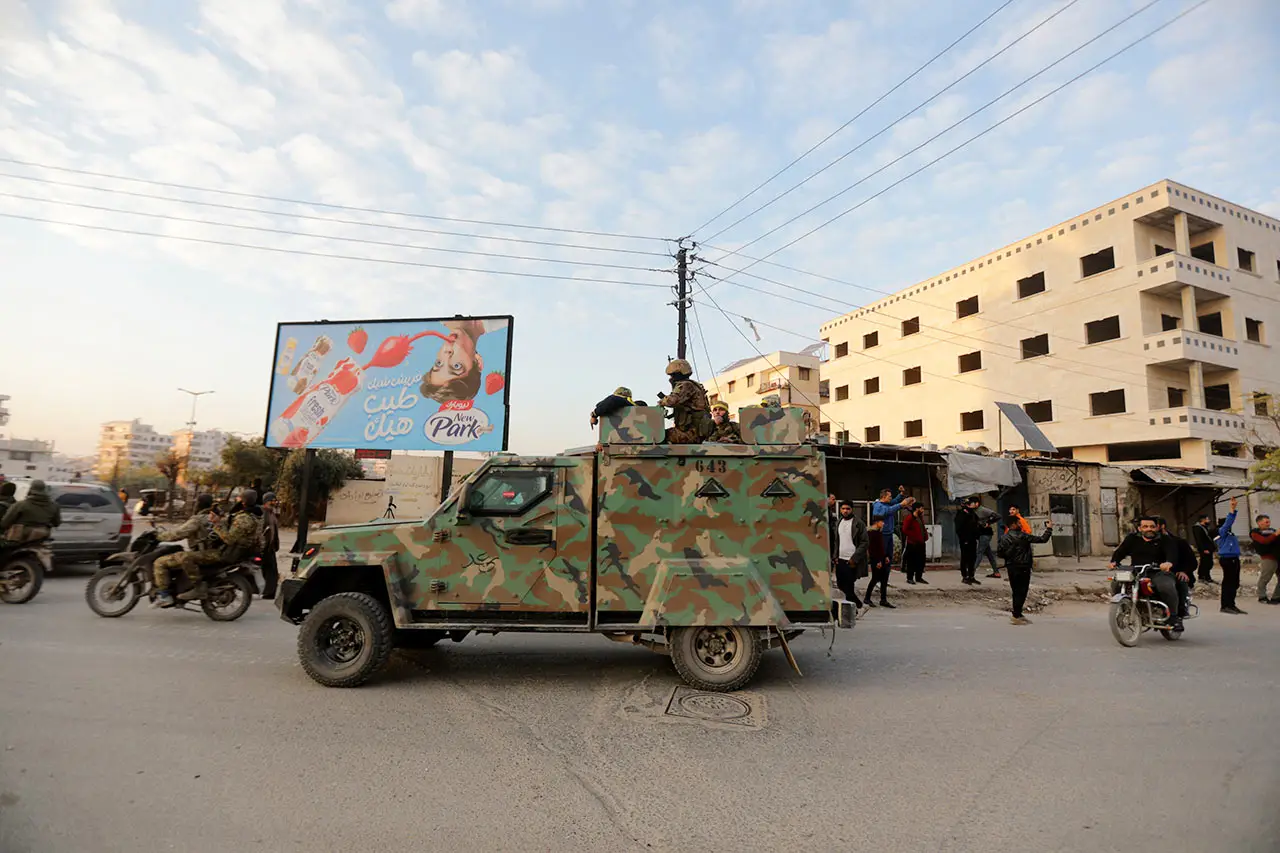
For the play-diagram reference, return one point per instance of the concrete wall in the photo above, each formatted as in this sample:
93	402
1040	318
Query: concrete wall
413	482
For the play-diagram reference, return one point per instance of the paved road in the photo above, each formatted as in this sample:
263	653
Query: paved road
929	729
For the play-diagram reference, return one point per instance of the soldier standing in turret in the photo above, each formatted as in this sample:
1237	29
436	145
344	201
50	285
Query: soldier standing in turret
723	430
689	407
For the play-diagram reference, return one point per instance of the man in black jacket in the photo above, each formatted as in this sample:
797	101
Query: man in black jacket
1148	547
1184	567
1015	548
1202	533
967	530
615	402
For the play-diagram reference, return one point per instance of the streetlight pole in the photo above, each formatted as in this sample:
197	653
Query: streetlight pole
191	428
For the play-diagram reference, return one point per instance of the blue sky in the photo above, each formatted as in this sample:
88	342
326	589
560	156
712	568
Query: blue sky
608	116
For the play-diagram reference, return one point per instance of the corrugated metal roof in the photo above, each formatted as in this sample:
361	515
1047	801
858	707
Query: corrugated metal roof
1188	477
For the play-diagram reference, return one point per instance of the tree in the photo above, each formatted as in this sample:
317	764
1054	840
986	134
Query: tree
134	479
330	472
170	464
246	461
1265	473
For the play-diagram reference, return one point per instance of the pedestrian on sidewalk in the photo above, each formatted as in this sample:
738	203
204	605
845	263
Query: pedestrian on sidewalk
878	562
851	551
833	520
986	531
1229	559
914	535
270	545
886	509
967	533
1266	544
1015	548
1202	538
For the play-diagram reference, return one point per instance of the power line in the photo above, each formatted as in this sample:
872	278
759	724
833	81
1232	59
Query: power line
697	322
333	219
287	232
860	114
285	251
976	136
329	205
896	121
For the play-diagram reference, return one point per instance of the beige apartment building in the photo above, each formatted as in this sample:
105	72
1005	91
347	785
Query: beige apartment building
122	444
1137	332
201	450
793	376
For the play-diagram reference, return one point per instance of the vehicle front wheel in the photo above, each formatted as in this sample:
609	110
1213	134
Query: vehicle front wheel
110	592
20	579
716	657
345	640
1126	623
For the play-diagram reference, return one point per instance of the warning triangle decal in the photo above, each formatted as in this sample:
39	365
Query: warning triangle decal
778	489
712	489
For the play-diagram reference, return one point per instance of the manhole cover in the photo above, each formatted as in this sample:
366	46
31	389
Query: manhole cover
733	709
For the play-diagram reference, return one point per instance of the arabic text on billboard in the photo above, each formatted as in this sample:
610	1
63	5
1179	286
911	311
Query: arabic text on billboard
434	384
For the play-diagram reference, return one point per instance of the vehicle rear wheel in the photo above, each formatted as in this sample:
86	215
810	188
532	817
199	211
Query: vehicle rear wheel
1171	635
345	640
716	657
108	595
20	579
228	600
1126	623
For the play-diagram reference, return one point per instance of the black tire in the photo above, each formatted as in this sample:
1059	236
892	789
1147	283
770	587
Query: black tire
345	640
1171	635
218	607
96	590
721	658
1126	622
26	570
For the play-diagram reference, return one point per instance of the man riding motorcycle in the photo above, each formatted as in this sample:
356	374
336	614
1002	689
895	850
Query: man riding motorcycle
1147	547
31	519
203	550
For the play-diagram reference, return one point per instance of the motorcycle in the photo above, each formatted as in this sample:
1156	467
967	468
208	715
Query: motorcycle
1135	608
22	570
126	577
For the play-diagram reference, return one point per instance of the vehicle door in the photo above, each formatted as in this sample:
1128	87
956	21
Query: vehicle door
91	515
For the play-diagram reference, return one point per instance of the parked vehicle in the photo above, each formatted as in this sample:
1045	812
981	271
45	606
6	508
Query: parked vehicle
1135	609
125	578
708	553
94	522
22	570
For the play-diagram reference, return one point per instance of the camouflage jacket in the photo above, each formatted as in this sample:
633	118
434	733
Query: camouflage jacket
242	538
726	433
689	405
197	530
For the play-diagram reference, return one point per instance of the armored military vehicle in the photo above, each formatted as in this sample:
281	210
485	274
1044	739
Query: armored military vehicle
710	553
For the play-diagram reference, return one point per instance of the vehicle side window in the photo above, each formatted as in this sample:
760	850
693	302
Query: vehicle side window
509	491
85	500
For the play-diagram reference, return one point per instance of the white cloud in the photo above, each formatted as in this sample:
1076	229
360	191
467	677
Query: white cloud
490	81
434	17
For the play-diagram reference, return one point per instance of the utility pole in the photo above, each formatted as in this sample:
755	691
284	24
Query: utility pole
191	431
682	299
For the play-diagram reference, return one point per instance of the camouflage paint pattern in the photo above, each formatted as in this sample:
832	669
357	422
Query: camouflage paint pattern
761	425
634	425
708	534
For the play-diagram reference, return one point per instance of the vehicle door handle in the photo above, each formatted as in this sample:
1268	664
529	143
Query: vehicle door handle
530	536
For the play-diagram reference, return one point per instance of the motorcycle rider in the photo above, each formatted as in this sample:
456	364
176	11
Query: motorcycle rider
202	551
7	490
1148	547
32	518
1184	569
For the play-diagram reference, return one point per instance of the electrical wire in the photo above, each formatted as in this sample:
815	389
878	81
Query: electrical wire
976	136
286	251
287	232
899	119
328	205
711	365
860	114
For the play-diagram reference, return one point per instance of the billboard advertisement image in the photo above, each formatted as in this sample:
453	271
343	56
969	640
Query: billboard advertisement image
433	384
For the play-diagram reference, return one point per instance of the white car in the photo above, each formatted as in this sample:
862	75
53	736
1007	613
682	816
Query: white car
94	522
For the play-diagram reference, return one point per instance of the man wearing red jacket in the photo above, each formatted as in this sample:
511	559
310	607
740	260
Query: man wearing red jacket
1266	544
914	536
877	562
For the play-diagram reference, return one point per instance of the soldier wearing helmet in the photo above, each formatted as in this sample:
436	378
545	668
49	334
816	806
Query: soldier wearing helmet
689	407
614	403
723	430
771	401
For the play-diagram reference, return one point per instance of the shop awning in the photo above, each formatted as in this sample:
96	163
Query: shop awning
1185	477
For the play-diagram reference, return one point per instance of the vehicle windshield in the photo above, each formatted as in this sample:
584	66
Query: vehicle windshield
456	492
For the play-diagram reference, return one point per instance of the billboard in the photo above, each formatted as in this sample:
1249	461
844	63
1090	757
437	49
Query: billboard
432	384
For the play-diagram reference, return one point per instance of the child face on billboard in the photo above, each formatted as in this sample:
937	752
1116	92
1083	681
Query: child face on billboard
455	373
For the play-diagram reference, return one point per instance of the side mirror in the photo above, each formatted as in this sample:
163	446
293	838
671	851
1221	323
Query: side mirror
463	497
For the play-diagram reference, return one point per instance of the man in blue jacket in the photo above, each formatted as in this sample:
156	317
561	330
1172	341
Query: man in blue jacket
1229	559
887	508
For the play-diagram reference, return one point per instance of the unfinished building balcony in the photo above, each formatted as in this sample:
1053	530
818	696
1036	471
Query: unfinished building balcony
1167	274
1178	348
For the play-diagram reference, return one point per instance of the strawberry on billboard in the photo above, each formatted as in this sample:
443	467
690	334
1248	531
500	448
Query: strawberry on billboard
433	384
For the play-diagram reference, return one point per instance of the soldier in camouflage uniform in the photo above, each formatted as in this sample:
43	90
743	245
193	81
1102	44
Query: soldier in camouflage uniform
771	401
202	551
689	406
723	430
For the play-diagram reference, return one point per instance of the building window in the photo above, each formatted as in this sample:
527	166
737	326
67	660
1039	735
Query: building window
1040	411
1211	324
1162	250
870	339
1036	346
731	384
20	456
970	362
1253	330
1261	406
1177	398
842	392
1107	402
871	386
912	429
1031	285
910	327
911	376
1217	397
1247	260
872	434
1143	451
970	421
1098	262
966	307
1226	448
751	379
1168	322
842	349
1204	252
1106	329
842	437
804	374
824	428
